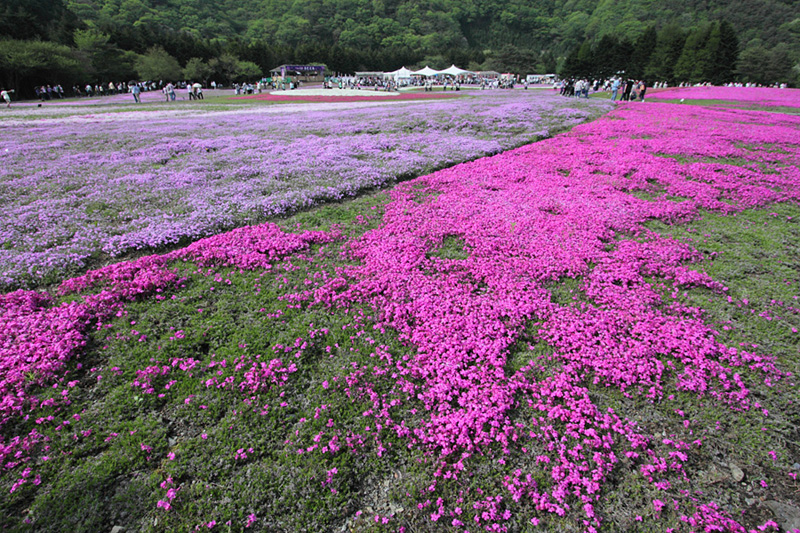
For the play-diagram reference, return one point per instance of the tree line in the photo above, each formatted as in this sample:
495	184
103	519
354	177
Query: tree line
710	53
74	41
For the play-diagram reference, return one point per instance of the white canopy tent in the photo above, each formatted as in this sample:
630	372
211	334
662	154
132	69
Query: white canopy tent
427	71
455	71
400	74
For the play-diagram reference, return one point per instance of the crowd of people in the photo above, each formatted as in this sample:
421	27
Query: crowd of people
266	84
621	89
49	92
376	83
737	84
627	90
452	83
44	93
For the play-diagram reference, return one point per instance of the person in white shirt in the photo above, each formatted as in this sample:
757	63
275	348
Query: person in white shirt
6	95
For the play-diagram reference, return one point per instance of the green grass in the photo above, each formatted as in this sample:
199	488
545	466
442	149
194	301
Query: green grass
93	481
108	481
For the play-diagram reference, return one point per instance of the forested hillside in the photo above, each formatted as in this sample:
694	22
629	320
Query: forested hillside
230	38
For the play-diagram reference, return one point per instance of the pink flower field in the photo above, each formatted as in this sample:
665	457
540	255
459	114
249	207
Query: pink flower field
516	343
762	96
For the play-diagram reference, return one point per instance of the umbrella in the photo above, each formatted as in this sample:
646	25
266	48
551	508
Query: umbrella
197	85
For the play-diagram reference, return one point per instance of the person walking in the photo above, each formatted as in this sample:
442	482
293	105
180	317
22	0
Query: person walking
642	90
615	89
135	91
628	89
6	95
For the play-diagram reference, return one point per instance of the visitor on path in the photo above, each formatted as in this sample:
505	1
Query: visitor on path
7	96
628	89
615	89
642	90
135	91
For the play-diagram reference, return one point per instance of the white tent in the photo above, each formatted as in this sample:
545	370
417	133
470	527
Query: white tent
427	71
455	71
400	74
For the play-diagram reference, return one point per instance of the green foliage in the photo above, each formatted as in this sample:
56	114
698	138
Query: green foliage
647	39
610	56
668	49
758	64
695	59
509	58
724	54
43	19
104	60
157	64
706	54
224	67
247	70
197	69
38	60
641	53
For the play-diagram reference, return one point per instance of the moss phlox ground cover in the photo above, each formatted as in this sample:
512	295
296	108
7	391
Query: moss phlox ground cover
465	265
763	96
81	190
366	97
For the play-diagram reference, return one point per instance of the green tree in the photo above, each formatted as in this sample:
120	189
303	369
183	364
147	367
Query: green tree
105	61
197	69
763	66
548	63
247	71
751	67
610	57
722	67
779	65
26	62
643	49
692	65
509	58
157	64
224	67
579	62
669	47
42	19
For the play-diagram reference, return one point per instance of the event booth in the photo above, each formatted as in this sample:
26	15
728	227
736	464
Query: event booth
301	72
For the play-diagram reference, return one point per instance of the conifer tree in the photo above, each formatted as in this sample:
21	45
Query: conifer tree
640	55
692	65
669	46
723	52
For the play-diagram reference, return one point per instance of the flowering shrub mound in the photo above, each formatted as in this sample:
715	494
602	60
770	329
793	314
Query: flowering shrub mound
334	98
109	184
526	293
763	96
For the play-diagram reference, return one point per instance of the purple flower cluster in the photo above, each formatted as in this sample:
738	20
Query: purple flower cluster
527	220
78	187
